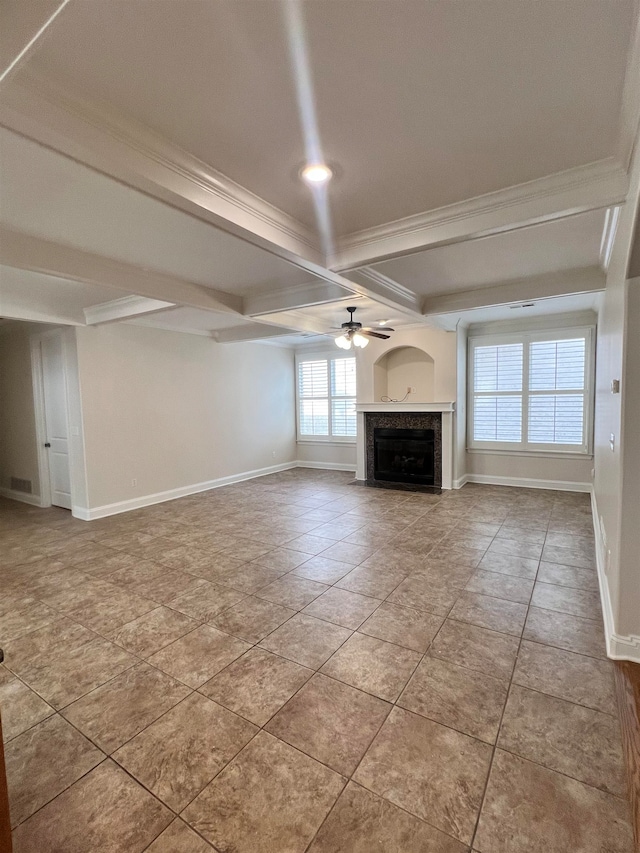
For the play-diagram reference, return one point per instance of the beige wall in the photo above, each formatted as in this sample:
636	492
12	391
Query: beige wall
172	410
328	455
18	445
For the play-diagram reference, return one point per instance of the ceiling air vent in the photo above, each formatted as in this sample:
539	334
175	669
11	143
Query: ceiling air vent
18	485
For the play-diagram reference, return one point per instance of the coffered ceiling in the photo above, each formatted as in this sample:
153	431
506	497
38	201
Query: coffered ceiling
480	149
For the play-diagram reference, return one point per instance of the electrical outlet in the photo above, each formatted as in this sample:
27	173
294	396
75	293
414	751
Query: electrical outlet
410	390
134	482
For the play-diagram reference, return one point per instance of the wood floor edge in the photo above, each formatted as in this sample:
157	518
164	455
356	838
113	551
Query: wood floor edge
627	678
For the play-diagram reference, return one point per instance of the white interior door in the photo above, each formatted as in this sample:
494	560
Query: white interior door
55	413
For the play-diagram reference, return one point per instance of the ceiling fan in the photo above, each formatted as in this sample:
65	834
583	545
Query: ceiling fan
354	333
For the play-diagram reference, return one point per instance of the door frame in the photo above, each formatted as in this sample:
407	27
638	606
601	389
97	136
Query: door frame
37	373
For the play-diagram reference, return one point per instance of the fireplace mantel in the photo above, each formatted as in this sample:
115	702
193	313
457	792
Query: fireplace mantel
405	407
446	409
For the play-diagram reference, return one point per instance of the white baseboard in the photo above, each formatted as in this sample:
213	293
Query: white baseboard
23	497
461	481
528	483
619	646
327	466
160	497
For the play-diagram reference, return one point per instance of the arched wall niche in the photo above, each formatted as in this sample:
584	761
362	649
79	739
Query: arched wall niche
401	368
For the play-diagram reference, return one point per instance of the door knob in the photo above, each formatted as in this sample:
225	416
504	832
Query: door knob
47	444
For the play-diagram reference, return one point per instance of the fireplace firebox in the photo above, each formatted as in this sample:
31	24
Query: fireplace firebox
404	455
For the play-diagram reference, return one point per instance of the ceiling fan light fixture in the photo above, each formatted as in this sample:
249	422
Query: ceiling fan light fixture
343	341
360	340
316	174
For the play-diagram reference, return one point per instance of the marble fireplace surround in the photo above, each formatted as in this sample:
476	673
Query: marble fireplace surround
436	416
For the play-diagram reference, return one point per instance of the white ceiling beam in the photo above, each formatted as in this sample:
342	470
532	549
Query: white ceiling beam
24	251
100	137
290	298
370	282
297	321
126	308
586	280
14	306
24	22
251	332
591	187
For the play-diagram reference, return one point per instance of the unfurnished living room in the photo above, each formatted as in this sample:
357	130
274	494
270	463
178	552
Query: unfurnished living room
319	426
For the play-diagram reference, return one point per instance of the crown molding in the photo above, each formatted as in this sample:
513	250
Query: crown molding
595	185
303	295
372	283
95	134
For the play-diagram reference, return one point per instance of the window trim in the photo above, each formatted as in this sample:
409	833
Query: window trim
324	355
526	338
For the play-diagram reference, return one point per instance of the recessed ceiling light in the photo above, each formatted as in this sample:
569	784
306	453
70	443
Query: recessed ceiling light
316	173
382	322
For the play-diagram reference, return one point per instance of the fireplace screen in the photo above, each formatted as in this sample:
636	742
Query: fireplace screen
404	455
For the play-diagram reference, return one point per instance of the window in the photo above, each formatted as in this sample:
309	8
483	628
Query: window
531	392
327	397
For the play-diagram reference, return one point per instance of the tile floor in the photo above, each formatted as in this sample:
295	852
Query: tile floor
297	664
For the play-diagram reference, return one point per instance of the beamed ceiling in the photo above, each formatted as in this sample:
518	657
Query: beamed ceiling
151	155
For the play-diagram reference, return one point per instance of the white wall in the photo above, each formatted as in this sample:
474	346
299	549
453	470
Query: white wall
18	445
173	410
616	499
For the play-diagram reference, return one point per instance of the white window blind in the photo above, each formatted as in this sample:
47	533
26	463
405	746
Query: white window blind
327	397
531	392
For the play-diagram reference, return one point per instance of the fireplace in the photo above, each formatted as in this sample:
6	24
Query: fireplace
403	447
404	455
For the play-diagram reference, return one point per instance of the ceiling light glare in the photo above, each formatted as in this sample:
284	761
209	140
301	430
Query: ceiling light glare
343	342
360	340
316	174
382	322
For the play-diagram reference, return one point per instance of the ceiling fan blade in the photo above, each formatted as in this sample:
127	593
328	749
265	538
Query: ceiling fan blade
379	329
374	334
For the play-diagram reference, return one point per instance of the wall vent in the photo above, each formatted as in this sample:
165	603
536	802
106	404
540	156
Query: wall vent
19	485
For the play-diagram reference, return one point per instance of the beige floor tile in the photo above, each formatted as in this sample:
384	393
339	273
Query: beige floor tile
252	619
249	578
21	707
270	799
62	678
55	638
306	640
122	707
330	721
585	636
430	770
105	810
168	586
576	602
508	564
515	548
35	773
198	656
322	569
507	617
293	592
567	675
153	631
196	739
569	738
35	615
282	559
346	552
404	626
205	602
179	838
528	807
568	576
476	648
106	616
373	665
256	685
361	822
435	595
575	556
375	581
471	702
342	607
498	585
